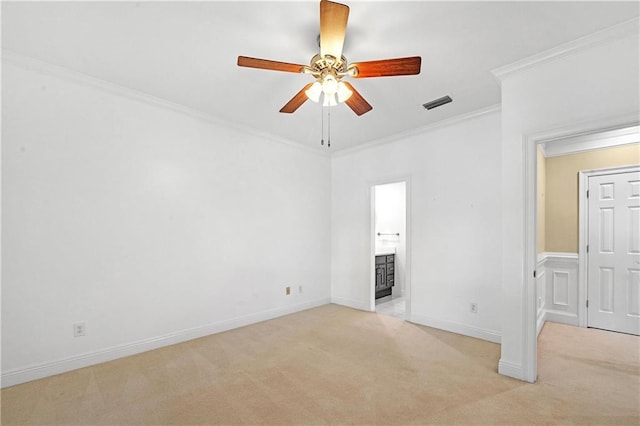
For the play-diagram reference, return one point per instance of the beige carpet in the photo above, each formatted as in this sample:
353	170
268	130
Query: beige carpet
335	365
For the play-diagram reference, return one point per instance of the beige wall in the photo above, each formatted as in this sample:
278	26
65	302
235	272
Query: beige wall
541	189
561	191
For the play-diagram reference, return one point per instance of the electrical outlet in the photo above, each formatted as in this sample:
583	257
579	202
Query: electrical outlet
299	289
79	329
288	290
474	308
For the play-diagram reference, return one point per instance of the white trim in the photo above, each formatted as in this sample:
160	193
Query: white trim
456	327
542	319
37	65
351	303
526	369
529	159
610	170
418	131
529	302
550	256
541	303
592	141
38	371
616	32
583	238
43	67
584	129
372	246
562	317
510	369
408	248
407	240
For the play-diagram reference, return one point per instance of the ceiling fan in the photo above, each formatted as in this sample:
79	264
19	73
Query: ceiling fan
329	67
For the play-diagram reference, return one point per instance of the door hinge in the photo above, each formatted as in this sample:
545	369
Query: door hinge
587	303
534	274
587	193
587	248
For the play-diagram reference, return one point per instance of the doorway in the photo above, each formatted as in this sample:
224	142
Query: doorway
586	137
389	287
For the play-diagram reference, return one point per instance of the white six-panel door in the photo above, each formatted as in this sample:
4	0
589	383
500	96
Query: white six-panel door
613	273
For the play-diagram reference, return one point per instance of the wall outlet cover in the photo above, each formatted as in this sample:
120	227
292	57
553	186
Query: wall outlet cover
79	329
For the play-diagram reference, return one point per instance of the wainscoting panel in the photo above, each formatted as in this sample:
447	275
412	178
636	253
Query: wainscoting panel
560	284
559	275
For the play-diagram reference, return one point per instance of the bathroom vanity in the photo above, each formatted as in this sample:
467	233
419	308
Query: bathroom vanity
385	272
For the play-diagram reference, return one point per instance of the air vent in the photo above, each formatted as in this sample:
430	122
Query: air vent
438	102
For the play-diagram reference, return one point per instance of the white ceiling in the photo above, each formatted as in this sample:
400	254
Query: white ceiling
185	52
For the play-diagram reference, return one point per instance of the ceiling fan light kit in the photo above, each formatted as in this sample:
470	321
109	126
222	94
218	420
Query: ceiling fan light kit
314	92
330	67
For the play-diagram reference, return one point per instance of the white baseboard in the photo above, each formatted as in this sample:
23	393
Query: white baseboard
350	303
34	372
458	328
562	317
511	369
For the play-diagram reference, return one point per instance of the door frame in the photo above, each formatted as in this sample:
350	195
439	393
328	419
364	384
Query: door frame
407	241
530	143
583	230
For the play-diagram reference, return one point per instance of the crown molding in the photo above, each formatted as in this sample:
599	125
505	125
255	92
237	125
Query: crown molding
419	130
43	67
616	32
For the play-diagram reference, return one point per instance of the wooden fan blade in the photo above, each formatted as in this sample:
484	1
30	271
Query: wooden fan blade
356	102
333	27
265	64
388	67
296	101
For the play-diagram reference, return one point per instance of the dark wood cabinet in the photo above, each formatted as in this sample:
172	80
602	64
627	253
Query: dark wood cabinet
385	274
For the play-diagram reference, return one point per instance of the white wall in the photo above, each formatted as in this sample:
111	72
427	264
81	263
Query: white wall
591	85
390	218
454	195
150	225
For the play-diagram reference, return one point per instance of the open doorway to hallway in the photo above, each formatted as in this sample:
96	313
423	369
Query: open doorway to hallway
587	204
390	232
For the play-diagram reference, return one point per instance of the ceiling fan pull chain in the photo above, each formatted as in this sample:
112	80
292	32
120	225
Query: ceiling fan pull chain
329	127
322	125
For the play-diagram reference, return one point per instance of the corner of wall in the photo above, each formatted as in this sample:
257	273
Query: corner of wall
511	369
